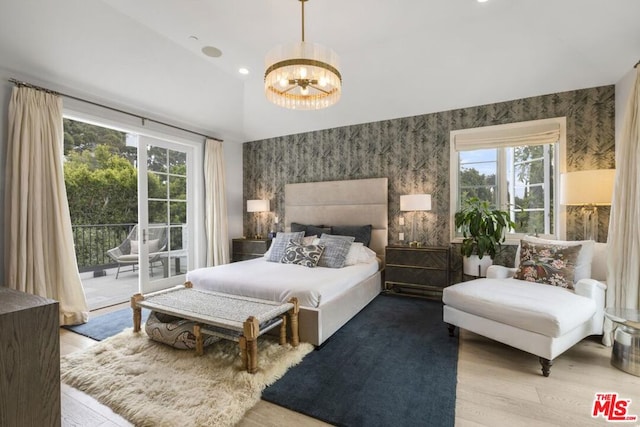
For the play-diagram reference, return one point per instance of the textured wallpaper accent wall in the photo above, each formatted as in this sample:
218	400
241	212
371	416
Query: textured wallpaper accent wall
413	152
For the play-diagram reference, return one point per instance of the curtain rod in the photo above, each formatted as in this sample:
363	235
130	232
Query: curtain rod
142	118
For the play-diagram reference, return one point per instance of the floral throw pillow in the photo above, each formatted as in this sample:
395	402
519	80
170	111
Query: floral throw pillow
549	264
306	255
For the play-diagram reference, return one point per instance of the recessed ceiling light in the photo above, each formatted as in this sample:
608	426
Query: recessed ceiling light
211	51
243	71
482	1
195	38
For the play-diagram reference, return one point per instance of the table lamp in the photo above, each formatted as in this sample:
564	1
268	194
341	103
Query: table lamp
414	203
258	206
589	189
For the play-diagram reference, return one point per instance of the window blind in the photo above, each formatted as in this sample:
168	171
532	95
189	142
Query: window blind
512	136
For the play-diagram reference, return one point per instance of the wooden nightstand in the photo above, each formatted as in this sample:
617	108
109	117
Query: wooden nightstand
243	249
420	271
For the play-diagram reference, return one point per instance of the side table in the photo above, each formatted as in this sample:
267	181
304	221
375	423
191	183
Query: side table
244	249
417	271
625	354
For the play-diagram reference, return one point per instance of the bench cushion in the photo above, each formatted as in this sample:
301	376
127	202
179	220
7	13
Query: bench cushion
535	307
174	331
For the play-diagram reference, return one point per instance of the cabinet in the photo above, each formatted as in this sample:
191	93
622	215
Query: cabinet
29	360
243	249
422	271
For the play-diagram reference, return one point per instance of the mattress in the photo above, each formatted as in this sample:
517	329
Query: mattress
273	281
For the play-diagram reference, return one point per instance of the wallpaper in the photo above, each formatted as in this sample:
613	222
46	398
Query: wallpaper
413	152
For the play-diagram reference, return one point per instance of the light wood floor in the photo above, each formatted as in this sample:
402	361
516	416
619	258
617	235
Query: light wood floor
497	386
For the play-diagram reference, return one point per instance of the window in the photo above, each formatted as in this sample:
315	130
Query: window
516	168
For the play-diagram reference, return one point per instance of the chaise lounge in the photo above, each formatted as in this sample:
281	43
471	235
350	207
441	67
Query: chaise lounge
538	318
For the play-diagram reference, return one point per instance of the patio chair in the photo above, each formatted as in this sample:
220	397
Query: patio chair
127	252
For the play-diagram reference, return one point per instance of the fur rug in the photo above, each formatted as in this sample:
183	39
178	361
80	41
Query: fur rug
152	384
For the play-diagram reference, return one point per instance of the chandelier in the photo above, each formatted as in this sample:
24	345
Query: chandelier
302	76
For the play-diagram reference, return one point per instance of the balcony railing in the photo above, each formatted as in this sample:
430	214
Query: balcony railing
93	241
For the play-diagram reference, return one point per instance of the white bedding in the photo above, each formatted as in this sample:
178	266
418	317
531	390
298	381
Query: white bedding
273	281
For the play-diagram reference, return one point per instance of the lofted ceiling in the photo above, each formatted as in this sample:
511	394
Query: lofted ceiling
397	59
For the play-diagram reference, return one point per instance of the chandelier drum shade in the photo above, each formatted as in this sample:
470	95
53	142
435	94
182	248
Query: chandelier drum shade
302	76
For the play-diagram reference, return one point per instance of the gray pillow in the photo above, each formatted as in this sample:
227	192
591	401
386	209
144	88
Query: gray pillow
336	249
279	244
310	230
361	233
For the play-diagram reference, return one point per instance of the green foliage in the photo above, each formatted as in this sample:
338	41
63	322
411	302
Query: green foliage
483	229
101	189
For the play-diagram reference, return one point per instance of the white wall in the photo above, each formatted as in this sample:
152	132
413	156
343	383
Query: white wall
233	169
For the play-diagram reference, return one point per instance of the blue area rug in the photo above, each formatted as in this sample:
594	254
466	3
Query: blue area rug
106	325
393	364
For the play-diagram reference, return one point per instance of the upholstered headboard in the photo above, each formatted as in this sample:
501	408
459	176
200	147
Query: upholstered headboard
352	202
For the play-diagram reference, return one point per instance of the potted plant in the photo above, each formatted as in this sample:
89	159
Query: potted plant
483	230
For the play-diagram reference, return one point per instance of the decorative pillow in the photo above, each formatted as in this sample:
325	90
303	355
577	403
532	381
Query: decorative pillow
335	252
549	264
361	233
300	254
135	249
327	236
308	240
174	331
310	230
367	255
279	244
585	257
353	256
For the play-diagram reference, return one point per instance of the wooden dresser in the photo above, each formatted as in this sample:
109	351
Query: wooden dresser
422	271
243	249
29	360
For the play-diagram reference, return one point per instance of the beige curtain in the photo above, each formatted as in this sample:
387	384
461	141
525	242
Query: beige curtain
39	253
215	204
623	276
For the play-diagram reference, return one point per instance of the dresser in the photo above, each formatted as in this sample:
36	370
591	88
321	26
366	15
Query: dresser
29	360
243	249
422	271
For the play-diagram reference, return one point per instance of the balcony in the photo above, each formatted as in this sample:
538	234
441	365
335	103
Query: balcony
98	270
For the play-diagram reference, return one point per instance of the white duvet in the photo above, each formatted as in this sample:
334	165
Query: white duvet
273	281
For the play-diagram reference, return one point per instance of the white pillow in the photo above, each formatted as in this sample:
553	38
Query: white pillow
353	256
583	263
359	254
367	255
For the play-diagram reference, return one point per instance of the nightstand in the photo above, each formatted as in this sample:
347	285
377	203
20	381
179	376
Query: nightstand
422	271
243	249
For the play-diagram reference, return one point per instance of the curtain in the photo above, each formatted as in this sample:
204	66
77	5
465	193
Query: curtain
215	204
623	261
39	252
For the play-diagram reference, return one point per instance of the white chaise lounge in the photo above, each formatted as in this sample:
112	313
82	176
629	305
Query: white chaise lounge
541	319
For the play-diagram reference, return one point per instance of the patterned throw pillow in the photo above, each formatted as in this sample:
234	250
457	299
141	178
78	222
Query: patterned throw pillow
306	255
279	244
361	233
336	249
549	264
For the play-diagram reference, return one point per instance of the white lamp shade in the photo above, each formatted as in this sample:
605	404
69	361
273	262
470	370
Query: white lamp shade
591	187
258	206
415	202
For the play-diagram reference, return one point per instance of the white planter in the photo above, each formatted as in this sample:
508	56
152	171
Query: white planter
474	266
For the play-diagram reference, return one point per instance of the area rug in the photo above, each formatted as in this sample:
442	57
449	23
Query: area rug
393	364
152	384
107	325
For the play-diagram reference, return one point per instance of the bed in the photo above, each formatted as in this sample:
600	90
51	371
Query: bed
328	297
